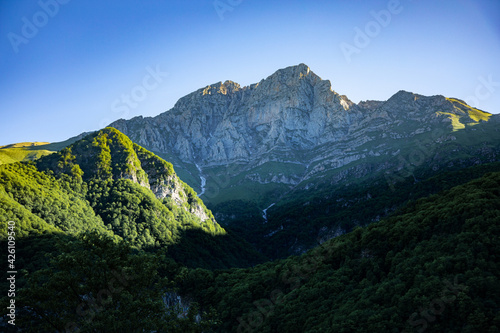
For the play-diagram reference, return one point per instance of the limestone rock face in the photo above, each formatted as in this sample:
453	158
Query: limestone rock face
293	109
291	117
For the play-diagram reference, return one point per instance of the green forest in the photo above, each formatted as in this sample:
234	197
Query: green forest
109	239
431	267
342	207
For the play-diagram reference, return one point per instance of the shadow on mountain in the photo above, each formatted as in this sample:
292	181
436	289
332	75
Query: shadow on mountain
31	254
198	249
91	283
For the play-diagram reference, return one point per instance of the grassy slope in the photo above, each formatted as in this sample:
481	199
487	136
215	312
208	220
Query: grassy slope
25	145
17	154
30	151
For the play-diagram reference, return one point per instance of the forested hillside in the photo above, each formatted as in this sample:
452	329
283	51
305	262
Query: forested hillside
109	239
311	217
105	183
432	267
93	283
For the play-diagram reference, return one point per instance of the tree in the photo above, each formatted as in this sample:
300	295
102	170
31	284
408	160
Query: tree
96	285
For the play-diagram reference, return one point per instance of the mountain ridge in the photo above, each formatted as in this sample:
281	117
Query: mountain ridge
291	134
105	183
287	117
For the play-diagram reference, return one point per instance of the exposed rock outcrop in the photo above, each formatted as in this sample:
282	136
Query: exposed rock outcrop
291	117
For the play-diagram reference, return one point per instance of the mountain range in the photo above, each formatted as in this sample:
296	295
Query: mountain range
313	213
252	151
288	163
290	128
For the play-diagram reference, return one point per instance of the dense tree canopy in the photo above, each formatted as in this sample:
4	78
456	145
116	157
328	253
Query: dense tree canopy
96	285
431	267
98	251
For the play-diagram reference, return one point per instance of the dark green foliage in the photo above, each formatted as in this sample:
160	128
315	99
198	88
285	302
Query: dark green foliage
344	207
197	249
96	285
433	266
241	216
133	213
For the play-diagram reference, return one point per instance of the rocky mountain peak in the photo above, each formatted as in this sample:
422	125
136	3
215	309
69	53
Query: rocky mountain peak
282	118
291	110
228	87
299	70
294	75
403	94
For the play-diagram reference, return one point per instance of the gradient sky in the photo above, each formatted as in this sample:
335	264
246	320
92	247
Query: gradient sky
71	73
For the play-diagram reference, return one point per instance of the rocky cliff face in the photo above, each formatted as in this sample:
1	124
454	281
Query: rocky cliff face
292	118
293	109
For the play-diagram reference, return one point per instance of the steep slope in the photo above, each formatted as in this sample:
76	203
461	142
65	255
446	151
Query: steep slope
262	149
106	183
110	155
431	267
288	129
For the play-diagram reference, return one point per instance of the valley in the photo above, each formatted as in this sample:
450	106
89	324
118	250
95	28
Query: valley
281	206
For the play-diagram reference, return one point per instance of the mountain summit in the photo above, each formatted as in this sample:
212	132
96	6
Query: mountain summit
290	140
286	117
293	109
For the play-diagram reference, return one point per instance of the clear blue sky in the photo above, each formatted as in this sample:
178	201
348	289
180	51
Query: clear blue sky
69	74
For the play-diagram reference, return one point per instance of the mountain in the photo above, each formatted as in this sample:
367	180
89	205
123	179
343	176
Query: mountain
291	141
288	163
225	123
108	154
106	183
289	128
